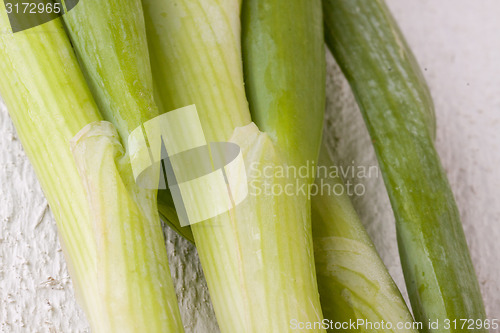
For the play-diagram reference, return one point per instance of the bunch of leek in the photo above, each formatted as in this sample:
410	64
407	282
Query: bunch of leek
272	261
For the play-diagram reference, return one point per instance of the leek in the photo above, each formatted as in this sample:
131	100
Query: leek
287	41
110	43
284	62
117	261
398	112
353	282
257	258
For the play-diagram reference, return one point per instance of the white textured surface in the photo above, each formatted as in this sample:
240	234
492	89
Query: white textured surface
456	41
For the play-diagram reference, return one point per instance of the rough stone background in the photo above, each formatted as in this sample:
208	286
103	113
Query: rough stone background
456	43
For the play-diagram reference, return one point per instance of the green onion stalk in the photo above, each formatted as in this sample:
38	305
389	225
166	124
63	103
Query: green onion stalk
257	257
108	227
284	64
399	114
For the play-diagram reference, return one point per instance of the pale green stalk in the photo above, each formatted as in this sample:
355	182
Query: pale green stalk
257	258
284	63
110	42
107	226
353	281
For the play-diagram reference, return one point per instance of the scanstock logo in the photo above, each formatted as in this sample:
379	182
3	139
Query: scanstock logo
205	179
26	14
